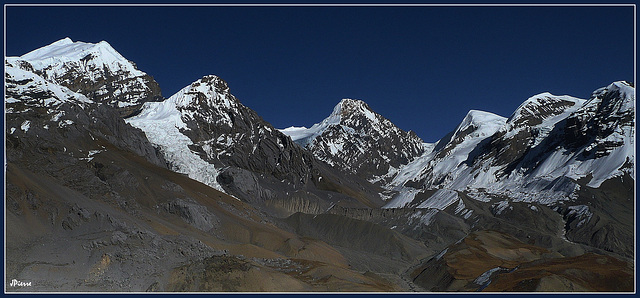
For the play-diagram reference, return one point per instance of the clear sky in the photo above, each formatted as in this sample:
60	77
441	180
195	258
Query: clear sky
422	68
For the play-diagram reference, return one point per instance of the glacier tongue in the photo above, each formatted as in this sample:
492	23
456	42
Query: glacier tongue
162	122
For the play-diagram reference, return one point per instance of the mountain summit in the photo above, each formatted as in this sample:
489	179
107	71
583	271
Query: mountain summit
356	139
96	70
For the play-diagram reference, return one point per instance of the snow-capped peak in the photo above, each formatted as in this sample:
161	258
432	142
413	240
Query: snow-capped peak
96	70
358	140
480	123
209	90
304	136
474	127
623	87
546	145
625	91
348	107
540	107
65	50
66	40
345	109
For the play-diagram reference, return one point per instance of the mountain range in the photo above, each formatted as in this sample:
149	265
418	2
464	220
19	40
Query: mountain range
112	187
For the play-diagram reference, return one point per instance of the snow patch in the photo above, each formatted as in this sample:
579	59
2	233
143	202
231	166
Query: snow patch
423	217
484	277
582	212
91	154
57	116
441	199
501	206
442	253
403	198
64	123
460	206
25	125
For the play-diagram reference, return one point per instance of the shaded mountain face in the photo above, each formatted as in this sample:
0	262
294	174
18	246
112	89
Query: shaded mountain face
355	139
51	121
112	221
95	70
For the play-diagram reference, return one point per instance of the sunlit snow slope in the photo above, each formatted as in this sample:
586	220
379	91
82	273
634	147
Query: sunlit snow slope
536	155
96	70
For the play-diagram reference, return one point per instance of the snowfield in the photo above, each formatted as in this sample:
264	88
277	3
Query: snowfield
450	166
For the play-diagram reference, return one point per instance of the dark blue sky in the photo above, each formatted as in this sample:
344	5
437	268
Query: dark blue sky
421	67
